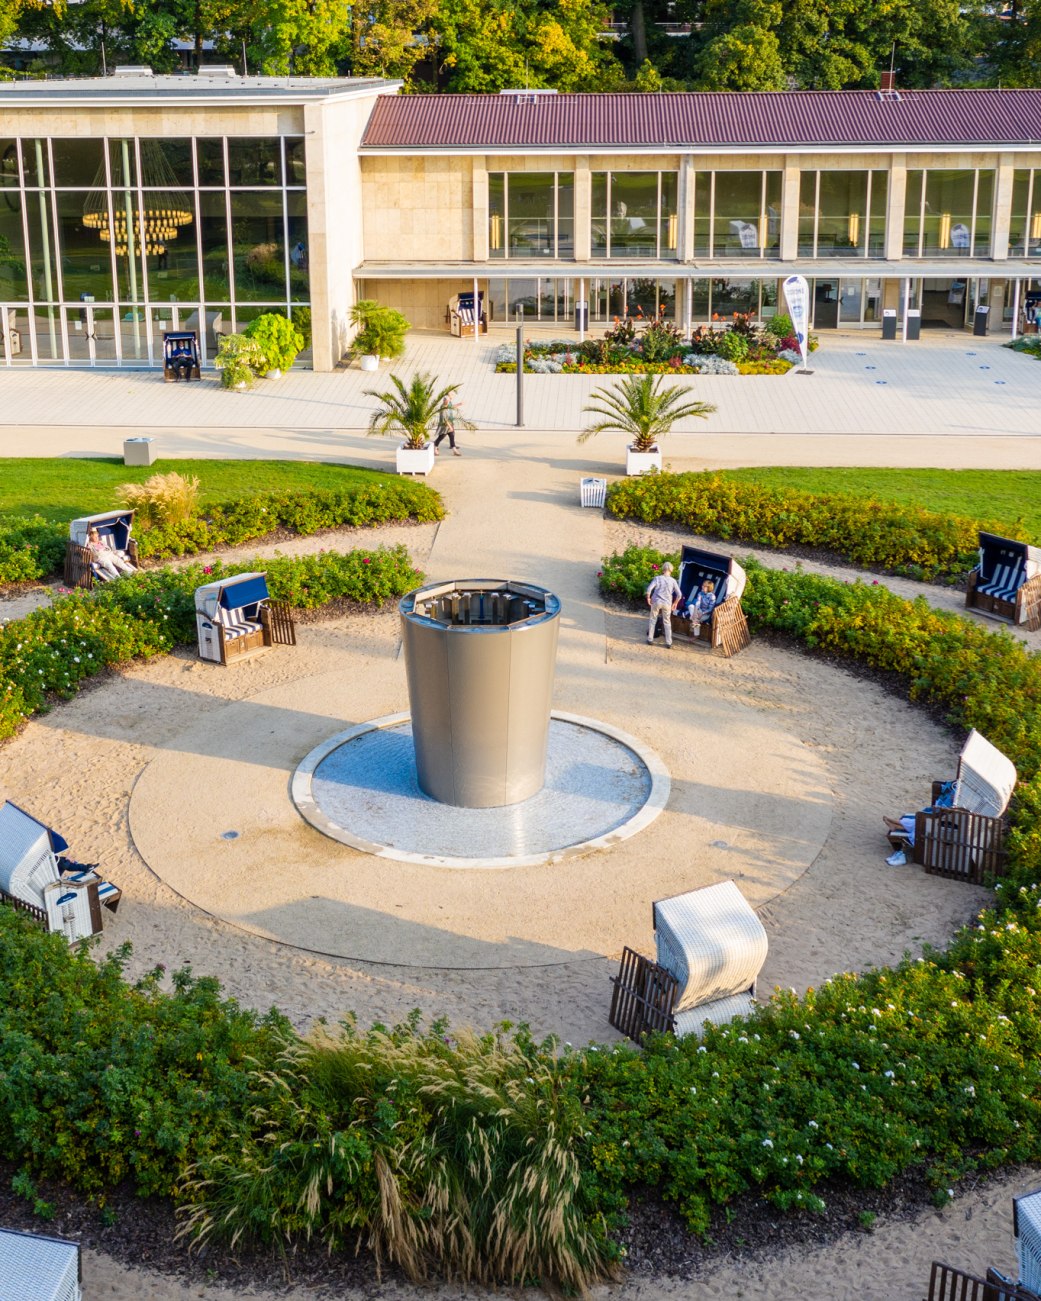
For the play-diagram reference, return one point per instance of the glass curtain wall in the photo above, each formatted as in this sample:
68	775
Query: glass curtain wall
737	214
842	214
635	214
531	214
1025	231
949	213
104	244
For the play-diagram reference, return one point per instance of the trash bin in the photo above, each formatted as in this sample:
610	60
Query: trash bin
889	323
979	321
581	315
914	324
138	451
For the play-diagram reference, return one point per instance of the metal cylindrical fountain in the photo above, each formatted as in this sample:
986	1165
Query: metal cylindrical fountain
480	656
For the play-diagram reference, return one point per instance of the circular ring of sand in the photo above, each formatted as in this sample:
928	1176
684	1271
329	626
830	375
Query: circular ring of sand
749	801
602	786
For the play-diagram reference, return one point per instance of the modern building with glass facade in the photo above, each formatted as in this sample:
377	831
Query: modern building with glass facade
136	204
701	204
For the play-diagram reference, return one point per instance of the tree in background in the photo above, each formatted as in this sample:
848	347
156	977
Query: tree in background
554	44
388	38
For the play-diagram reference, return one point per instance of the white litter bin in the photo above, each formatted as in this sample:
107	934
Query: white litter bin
138	451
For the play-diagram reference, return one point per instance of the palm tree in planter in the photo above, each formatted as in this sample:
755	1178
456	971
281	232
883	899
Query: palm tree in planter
646	409
410	411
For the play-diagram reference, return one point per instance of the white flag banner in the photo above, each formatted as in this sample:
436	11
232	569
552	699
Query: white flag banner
797	296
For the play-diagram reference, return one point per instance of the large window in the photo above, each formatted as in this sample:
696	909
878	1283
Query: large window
104	244
842	214
1024	239
948	213
531	214
737	214
634	215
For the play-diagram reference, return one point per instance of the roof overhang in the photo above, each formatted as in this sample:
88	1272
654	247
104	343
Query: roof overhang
821	269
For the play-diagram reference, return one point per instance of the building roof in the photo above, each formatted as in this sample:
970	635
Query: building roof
141	89
708	120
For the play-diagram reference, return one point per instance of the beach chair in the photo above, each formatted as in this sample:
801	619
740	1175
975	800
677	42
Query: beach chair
965	841
115	530
181	355
711	947
236	618
727	629
463	319
38	1268
949	1284
36	878
1006	583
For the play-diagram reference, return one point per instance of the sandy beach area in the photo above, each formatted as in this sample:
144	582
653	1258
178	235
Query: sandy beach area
781	768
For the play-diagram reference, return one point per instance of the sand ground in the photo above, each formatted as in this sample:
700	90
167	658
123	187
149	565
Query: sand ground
781	768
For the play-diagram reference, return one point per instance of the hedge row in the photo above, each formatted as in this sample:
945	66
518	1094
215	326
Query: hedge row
497	1158
873	534
32	549
50	652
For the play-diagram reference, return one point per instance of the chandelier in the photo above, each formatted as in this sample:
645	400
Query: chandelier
145	221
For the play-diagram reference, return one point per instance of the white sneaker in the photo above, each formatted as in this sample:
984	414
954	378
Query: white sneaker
897	858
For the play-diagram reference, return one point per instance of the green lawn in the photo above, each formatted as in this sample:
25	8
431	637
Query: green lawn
999	496
62	489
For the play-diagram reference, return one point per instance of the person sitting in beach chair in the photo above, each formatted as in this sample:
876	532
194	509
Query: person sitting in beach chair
701	605
960	833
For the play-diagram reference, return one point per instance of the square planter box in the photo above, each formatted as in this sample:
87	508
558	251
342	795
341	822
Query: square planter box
642	462
415	460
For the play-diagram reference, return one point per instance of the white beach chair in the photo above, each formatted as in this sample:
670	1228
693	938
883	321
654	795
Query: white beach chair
714	944
711	947
966	841
32	878
37	1268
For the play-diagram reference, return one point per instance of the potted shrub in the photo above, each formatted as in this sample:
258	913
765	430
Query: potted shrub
279	341
239	361
646	409
410	411
381	333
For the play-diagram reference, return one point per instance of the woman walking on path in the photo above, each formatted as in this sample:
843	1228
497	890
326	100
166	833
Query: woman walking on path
446	418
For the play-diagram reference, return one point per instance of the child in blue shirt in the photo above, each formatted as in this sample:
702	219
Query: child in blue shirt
701	605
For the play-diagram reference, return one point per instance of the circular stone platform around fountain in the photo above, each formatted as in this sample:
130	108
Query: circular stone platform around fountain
360	788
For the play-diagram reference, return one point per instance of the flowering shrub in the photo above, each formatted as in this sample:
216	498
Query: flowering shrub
705	365
31	548
46	655
231	523
876	535
660	349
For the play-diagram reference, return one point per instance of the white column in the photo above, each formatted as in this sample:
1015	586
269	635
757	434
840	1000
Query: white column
1015	308
581	315
477	315
907	303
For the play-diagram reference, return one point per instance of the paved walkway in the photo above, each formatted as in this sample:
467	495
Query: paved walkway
947	400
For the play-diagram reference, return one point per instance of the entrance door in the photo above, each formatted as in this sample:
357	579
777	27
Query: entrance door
825	304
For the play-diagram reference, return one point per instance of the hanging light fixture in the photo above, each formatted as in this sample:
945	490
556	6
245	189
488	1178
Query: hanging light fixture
764	229
495	230
854	229
672	230
945	230
148	225
1035	228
